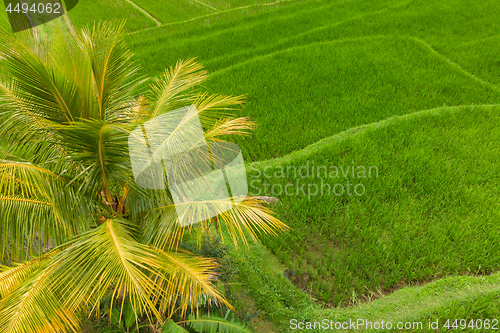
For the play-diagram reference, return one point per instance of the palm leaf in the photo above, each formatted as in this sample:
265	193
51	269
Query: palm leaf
215	324
229	126
114	72
33	306
170	91
172	327
11	99
11	277
101	148
187	279
36	205
212	108
68	104
249	216
45	88
108	258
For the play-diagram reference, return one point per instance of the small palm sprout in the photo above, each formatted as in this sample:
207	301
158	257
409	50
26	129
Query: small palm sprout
74	224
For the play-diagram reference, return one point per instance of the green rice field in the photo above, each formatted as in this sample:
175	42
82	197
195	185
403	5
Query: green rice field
379	133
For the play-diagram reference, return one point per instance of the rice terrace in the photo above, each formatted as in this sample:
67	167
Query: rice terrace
370	135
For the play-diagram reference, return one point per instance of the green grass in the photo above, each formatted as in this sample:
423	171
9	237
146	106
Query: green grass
172	11
144	14
464	297
147	14
343	83
242	34
228	4
89	11
473	313
304	94
468	297
312	69
447	26
430	211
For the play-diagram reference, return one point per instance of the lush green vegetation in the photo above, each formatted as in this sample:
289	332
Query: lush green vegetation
467	297
425	211
89	11
344	83
79	235
313	70
326	88
465	32
171	11
146	14
335	65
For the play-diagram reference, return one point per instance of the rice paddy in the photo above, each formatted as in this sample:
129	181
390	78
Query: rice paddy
389	108
400	203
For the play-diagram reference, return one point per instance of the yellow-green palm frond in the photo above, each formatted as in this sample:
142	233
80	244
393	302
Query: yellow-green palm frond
240	217
251	215
29	61
62	77
239	126
187	280
114	72
173	89
11	277
11	98
212	108
66	179
33	305
108	258
101	150
36	207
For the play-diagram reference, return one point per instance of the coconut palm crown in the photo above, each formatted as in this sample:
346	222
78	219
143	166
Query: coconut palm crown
74	225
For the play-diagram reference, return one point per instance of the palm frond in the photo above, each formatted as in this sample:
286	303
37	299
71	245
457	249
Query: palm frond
23	221
12	277
240	217
215	324
115	74
172	327
172	89
34	306
68	108
43	87
229	126
12	99
187	281
101	150
212	108
36	206
108	258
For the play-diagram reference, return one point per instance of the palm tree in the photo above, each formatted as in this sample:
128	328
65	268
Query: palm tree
75	226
